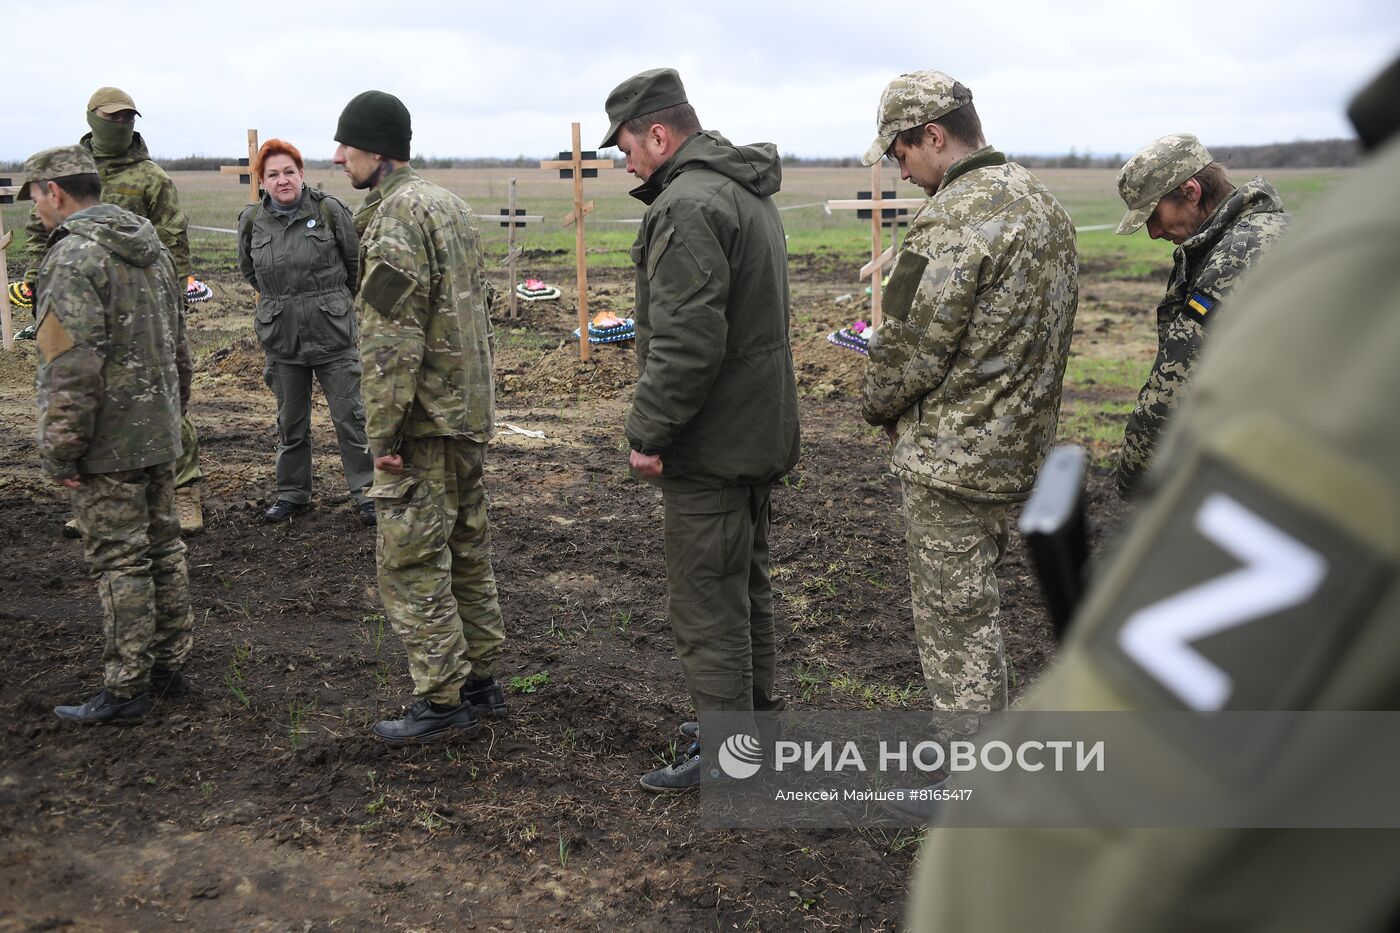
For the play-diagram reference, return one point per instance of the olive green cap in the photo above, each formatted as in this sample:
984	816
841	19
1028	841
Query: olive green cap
639	95
1157	169
110	100
59	162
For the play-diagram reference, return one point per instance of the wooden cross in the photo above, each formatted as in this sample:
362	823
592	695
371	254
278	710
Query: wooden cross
512	217
882	208
579	165
7	326
244	169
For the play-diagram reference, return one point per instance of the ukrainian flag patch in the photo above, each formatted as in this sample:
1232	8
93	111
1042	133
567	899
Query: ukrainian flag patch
1198	306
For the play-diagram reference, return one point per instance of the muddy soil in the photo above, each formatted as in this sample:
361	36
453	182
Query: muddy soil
260	802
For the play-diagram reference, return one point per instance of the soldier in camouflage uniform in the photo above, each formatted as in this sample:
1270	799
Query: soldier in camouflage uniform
131	181
1291	415
965	371
114	372
1176	189
425	344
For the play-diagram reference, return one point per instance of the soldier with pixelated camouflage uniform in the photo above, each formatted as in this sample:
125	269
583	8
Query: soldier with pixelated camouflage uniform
1176	189
1291	421
131	181
114	373
425	344
965	371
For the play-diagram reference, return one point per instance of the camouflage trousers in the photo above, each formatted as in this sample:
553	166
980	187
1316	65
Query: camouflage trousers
721	600
433	550
955	545
131	536
340	382
187	469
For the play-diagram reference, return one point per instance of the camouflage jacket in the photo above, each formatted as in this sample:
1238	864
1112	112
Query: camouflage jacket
305	268
425	337
979	313
113	364
132	182
1208	266
716	397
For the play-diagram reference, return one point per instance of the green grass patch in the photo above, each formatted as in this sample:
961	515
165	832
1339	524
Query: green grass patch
1107	371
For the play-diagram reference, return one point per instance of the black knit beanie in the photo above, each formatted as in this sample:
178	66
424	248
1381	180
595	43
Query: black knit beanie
376	122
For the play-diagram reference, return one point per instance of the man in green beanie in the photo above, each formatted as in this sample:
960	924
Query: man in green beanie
131	181
713	421
425	343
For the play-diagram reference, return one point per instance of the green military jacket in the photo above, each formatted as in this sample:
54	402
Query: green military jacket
1208	266
113	368
132	182
1291	419
979	313
305	268
426	338
716	397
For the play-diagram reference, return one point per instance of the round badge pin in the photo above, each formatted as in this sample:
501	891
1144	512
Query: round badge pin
311	222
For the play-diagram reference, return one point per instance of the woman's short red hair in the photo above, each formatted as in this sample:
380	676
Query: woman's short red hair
276	147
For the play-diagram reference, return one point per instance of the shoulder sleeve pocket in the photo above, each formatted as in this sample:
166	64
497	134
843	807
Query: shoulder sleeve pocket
385	287
904	284
658	249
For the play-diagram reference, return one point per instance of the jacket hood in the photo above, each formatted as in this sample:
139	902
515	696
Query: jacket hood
136	152
757	167
131	238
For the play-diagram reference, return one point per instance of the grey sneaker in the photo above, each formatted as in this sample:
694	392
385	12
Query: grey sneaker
683	776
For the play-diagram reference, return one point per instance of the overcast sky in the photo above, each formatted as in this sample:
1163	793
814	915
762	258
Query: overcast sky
504	79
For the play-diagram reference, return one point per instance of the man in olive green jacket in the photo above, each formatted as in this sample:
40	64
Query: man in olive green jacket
113	374
1286	447
131	181
425	345
713	421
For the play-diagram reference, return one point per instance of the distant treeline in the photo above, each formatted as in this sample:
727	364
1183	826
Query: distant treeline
1307	153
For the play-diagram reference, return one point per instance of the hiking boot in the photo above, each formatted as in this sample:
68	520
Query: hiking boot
188	508
282	510
168	684
195	291
485	697
367	516
27	332
426	722
106	707
70	529
691	730
685	775
21	296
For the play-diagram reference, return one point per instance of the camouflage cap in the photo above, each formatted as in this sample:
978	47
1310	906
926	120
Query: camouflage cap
110	100
1158	168
639	95
59	162
912	100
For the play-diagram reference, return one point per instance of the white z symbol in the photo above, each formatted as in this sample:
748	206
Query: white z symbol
1279	572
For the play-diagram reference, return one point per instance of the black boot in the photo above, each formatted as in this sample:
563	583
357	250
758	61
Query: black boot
426	722
485	696
106	707
168	684
282	510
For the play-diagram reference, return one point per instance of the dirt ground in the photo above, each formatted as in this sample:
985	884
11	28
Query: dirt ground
260	802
